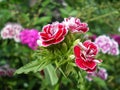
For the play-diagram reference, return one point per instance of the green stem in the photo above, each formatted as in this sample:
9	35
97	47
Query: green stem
62	72
102	16
81	82
63	62
60	69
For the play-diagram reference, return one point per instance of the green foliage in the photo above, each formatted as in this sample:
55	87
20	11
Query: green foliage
50	74
38	64
100	82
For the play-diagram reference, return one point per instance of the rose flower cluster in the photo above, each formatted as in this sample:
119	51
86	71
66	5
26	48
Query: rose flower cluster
84	53
55	33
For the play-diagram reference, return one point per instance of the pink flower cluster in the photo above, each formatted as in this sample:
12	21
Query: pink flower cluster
102	73
29	37
55	33
75	25
11	31
107	45
85	56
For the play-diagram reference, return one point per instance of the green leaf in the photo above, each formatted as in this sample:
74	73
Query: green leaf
51	75
24	18
100	82
69	69
73	13
64	12
41	61
33	66
45	3
5	15
44	19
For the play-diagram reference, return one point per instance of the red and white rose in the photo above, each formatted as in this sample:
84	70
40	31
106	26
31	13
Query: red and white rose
75	25
52	34
85	56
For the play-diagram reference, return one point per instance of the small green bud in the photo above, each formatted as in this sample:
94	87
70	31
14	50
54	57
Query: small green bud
64	47
76	42
72	57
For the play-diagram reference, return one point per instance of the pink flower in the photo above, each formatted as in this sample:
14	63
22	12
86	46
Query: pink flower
29	37
102	73
107	45
4	34
90	76
104	43
52	34
75	25
84	56
11	31
114	50
6	71
116	38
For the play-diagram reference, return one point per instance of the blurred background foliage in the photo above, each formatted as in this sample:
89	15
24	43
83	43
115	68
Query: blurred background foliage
102	16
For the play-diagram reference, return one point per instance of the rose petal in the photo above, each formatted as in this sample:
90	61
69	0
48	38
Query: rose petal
89	64
77	51
91	70
58	34
44	36
58	40
79	63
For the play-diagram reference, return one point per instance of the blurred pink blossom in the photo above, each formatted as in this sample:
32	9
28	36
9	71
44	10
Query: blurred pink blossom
11	31
116	38
29	37
114	48
101	73
6	71
104	43
90	76
107	45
